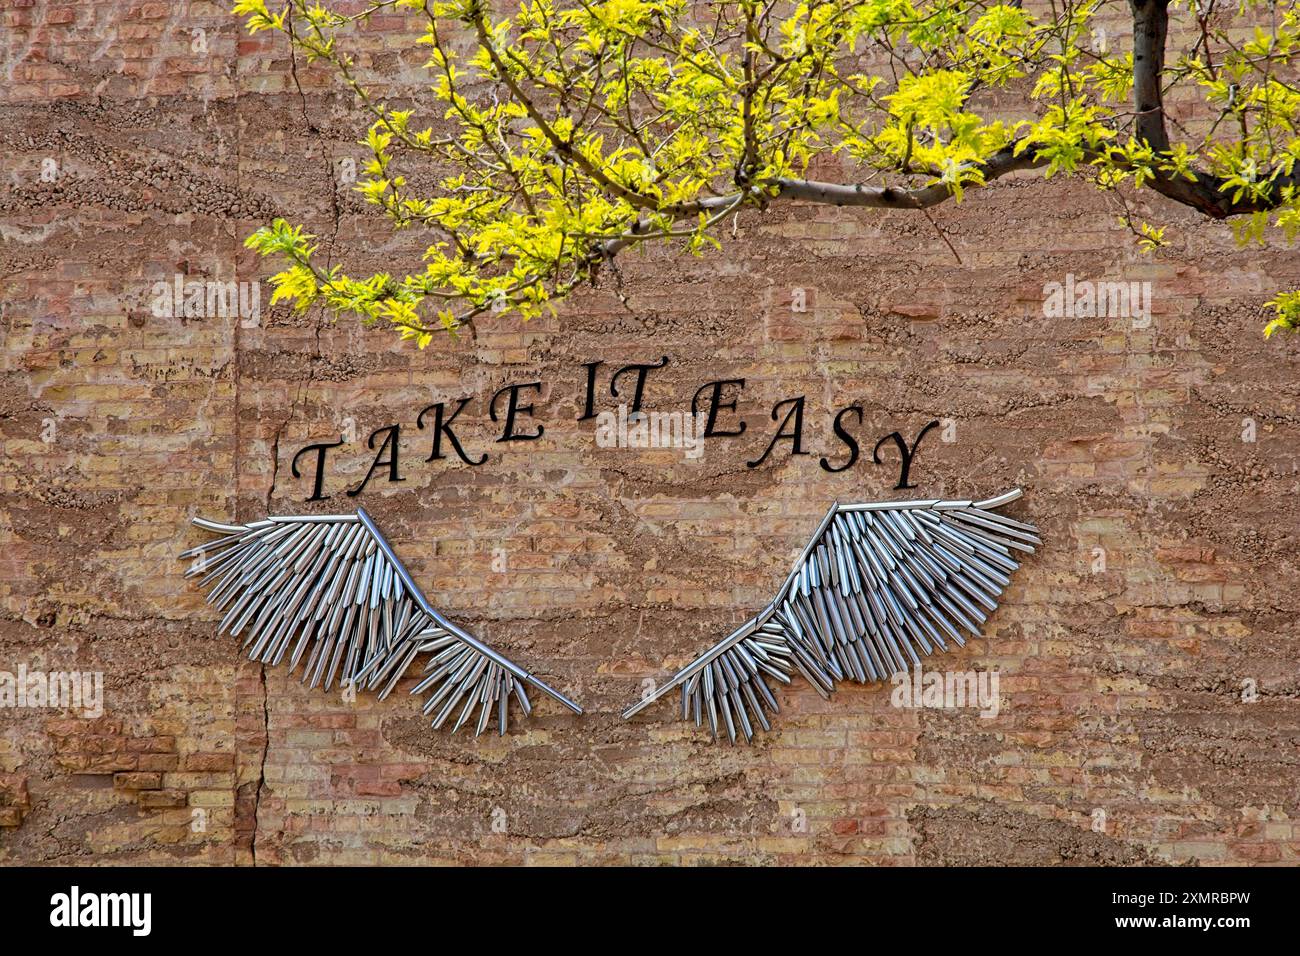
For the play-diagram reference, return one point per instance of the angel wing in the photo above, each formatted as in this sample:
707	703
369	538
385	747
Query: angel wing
329	589
876	584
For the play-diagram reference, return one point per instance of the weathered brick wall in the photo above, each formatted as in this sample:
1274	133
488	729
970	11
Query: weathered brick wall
1128	732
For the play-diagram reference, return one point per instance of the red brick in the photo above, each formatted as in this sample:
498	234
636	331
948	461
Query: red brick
158	799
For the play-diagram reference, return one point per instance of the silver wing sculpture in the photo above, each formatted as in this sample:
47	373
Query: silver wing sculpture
876	583
329	589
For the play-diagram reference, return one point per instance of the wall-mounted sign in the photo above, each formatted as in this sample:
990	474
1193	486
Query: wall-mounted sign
877	587
515	412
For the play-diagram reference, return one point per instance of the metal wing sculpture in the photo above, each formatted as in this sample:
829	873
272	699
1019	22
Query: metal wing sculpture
329	589
875	583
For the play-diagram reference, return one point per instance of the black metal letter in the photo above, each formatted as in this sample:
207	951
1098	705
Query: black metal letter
442	426
848	439
589	408
318	483
512	408
641	371
795	412
716	404
393	432
906	454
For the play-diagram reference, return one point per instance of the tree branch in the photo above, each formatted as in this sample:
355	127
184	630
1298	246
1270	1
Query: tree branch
1202	192
890	197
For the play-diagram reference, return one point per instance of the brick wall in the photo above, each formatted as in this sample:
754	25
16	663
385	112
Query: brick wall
1147	655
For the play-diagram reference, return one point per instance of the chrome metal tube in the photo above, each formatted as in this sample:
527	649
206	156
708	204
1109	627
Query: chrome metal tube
418	596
